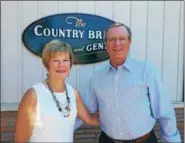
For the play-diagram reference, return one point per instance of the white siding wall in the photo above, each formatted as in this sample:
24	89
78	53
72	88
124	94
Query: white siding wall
157	28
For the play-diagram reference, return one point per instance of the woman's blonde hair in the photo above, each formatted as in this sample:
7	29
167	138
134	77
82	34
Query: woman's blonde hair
53	48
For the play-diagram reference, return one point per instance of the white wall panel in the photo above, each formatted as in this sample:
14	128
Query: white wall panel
67	6
121	12
155	33
32	70
170	49
11	69
139	29
46	8
179	95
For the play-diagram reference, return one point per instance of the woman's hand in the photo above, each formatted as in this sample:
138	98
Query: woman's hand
94	120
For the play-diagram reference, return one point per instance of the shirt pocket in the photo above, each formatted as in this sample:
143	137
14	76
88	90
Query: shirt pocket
138	92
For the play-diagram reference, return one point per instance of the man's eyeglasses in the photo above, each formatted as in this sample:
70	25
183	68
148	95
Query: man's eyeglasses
114	39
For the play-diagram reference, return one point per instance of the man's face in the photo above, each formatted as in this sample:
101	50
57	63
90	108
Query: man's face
117	44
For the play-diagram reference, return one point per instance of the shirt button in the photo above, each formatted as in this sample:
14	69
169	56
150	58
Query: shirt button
130	135
103	127
128	116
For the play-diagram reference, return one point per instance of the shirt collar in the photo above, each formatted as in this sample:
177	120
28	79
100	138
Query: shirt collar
127	65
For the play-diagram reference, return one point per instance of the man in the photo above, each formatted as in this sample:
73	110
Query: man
130	95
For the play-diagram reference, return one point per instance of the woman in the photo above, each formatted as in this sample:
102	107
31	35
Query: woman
48	109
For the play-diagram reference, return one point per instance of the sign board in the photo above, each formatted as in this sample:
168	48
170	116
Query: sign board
84	32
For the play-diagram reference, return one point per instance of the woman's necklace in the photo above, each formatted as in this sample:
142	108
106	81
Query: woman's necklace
65	110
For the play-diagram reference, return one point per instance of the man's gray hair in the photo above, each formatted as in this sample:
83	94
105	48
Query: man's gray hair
118	24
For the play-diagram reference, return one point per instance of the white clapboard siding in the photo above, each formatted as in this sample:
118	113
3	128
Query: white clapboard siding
180	55
155	33
157	28
46	8
139	29
121	12
84	72
11	62
170	47
68	7
32	70
107	13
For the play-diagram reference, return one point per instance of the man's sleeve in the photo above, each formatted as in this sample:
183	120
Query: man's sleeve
90	101
162	108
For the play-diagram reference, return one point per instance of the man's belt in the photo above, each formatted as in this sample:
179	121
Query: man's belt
138	140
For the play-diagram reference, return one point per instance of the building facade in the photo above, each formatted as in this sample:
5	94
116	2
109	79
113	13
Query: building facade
158	36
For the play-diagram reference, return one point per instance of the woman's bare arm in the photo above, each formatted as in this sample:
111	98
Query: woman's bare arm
26	116
83	113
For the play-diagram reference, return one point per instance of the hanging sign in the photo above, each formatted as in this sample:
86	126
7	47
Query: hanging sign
84	32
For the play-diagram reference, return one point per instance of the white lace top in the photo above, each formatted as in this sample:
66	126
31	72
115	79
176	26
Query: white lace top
50	124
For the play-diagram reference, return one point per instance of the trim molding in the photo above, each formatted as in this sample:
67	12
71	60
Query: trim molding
9	106
178	104
14	106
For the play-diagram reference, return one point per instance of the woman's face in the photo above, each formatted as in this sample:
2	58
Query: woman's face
59	65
